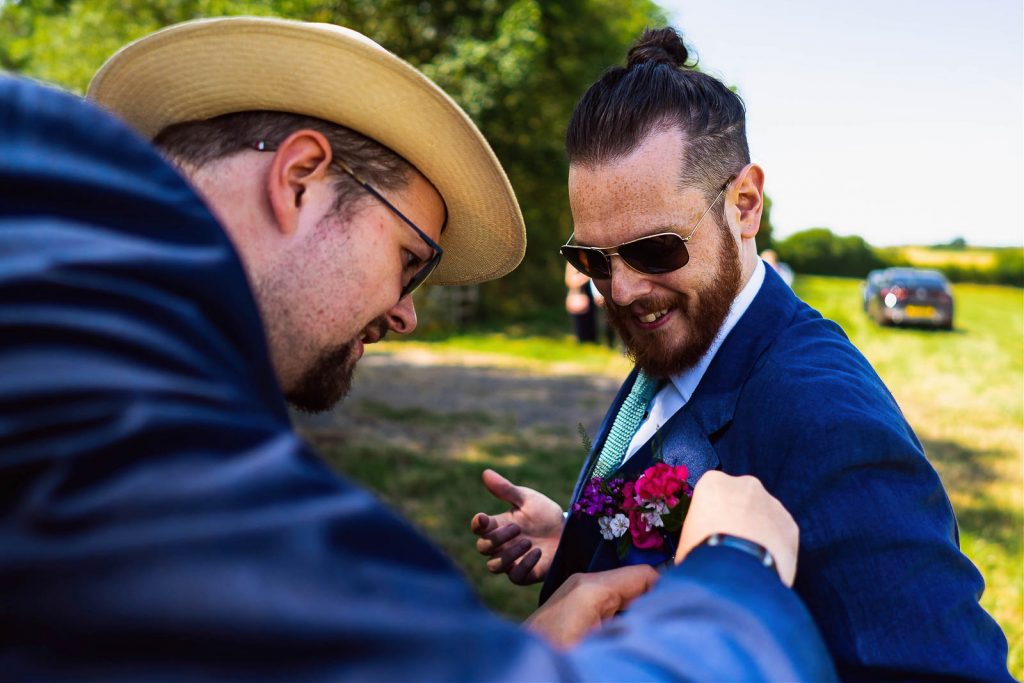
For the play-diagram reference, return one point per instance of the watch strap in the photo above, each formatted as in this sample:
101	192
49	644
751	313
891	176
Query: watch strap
743	545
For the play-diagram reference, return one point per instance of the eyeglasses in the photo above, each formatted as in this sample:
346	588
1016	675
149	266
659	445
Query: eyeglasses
651	255
437	252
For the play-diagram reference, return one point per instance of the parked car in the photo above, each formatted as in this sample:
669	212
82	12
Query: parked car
871	285
909	296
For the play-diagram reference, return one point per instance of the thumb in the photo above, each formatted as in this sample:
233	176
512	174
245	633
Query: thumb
636	579
502	489
630	582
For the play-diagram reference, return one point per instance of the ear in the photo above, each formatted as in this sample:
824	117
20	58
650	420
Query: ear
301	163
745	200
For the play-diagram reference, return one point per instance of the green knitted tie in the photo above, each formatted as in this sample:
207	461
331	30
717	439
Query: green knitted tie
630	415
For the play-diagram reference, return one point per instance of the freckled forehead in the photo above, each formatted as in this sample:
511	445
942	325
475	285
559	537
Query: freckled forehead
634	195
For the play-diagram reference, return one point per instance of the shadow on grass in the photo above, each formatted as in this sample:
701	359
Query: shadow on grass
415	415
962	466
970	472
448	399
553	322
922	327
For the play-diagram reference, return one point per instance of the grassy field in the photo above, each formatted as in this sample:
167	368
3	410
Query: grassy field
963	392
990	265
929	257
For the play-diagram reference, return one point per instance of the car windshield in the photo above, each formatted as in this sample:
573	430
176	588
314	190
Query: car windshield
920	281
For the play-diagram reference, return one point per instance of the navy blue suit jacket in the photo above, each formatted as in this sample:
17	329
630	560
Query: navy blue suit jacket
788	399
161	520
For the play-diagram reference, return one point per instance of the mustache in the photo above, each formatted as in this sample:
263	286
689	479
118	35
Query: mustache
646	304
378	328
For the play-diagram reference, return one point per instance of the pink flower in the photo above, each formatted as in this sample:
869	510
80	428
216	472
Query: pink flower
644	536
663	482
629	494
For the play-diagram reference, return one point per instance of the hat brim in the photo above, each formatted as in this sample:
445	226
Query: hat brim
209	67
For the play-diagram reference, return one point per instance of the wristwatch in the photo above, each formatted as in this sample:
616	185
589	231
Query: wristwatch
743	545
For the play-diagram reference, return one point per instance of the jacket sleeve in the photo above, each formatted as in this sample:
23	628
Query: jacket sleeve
880	566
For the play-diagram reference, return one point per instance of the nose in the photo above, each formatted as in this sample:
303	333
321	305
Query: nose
402	316
627	285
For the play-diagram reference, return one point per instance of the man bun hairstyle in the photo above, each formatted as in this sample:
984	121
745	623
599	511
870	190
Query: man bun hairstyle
660	89
658	46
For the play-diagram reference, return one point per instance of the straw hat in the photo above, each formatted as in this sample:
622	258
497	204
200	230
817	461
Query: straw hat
205	68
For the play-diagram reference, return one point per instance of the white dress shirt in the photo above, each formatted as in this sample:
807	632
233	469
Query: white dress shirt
678	390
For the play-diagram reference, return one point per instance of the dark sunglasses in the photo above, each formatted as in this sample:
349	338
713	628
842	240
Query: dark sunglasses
428	267
651	255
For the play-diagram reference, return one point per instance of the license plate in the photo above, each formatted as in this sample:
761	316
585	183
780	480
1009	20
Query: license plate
919	311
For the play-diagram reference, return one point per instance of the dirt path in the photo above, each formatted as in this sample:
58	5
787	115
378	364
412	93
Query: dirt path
418	400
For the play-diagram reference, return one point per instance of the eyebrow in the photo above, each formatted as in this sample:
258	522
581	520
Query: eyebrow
659	230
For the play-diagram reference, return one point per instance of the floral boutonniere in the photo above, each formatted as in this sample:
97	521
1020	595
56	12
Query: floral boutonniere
638	512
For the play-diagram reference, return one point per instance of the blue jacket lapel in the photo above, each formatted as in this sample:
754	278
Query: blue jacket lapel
713	404
684	442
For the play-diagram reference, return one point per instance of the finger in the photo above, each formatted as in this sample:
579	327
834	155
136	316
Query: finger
682	548
482	524
502	489
503	561
628	583
492	542
521	572
710	481
635	579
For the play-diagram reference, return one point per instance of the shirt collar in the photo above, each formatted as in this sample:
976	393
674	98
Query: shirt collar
686	382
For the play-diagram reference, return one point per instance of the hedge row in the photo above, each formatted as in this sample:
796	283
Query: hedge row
820	252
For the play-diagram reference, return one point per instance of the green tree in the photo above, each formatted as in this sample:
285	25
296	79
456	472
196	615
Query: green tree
818	251
955	244
1009	267
516	67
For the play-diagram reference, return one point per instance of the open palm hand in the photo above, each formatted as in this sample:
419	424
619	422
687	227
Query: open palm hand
522	541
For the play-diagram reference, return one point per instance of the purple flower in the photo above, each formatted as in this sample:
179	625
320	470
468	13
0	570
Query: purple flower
594	501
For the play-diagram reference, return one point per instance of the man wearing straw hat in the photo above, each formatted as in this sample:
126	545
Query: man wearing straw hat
161	519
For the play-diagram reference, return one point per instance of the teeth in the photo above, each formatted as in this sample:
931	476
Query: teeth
651	317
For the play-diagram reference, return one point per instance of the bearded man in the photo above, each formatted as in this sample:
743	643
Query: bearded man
733	372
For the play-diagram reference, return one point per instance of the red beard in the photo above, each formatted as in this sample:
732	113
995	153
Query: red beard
654	352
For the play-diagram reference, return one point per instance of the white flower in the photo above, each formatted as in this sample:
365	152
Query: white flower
619	525
652	519
613	527
658	507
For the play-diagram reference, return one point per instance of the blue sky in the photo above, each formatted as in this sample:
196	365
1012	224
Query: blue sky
896	120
